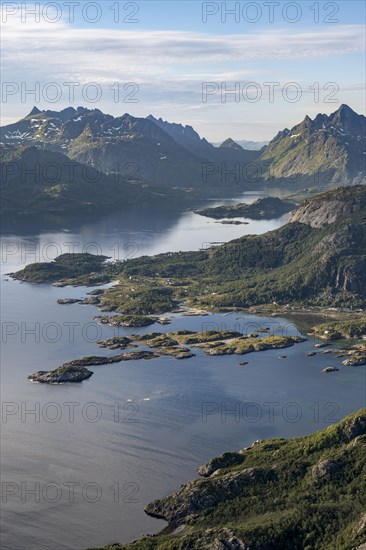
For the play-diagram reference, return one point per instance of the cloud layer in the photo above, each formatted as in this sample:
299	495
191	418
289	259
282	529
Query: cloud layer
168	65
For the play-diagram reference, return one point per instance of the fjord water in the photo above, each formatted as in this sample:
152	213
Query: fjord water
78	471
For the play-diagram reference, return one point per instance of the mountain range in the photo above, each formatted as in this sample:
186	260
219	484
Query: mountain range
165	157
152	150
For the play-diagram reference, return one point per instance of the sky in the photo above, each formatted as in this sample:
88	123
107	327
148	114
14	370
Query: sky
244	70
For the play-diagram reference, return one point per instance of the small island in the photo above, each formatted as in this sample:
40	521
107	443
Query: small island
266	208
355	360
61	375
170	344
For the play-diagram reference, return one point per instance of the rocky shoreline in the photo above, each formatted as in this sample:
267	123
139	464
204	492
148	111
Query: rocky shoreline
254	498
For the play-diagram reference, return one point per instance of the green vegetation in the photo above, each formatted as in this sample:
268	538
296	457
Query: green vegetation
307	493
135	298
127	320
336	330
240	346
68	268
317	153
189	337
61	186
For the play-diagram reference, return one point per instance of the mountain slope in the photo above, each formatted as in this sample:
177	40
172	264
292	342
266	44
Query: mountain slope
325	152
186	136
125	144
38	180
150	149
338	205
229	151
307	493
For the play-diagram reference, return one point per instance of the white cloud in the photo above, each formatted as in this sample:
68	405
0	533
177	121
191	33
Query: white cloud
169	66
63	51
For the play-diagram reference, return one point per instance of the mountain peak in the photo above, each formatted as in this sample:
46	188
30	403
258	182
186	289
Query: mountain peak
346	109
349	121
229	142
34	111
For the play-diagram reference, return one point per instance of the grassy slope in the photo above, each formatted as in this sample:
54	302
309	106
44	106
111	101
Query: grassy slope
283	502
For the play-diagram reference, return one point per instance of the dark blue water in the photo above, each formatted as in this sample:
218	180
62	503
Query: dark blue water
78	470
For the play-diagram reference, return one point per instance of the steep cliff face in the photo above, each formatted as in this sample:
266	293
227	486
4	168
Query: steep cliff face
332	206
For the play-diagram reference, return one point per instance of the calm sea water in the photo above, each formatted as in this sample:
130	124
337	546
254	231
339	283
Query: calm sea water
79	462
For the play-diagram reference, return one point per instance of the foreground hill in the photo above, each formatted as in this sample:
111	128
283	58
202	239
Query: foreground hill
307	493
325	152
297	264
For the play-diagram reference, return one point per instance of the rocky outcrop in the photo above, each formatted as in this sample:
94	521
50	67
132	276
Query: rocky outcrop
66	301
197	496
353	428
224	461
61	375
225	539
324	470
116	342
355	361
318	212
96	360
127	320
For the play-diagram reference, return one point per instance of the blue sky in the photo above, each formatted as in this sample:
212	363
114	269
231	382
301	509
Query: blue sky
162	57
